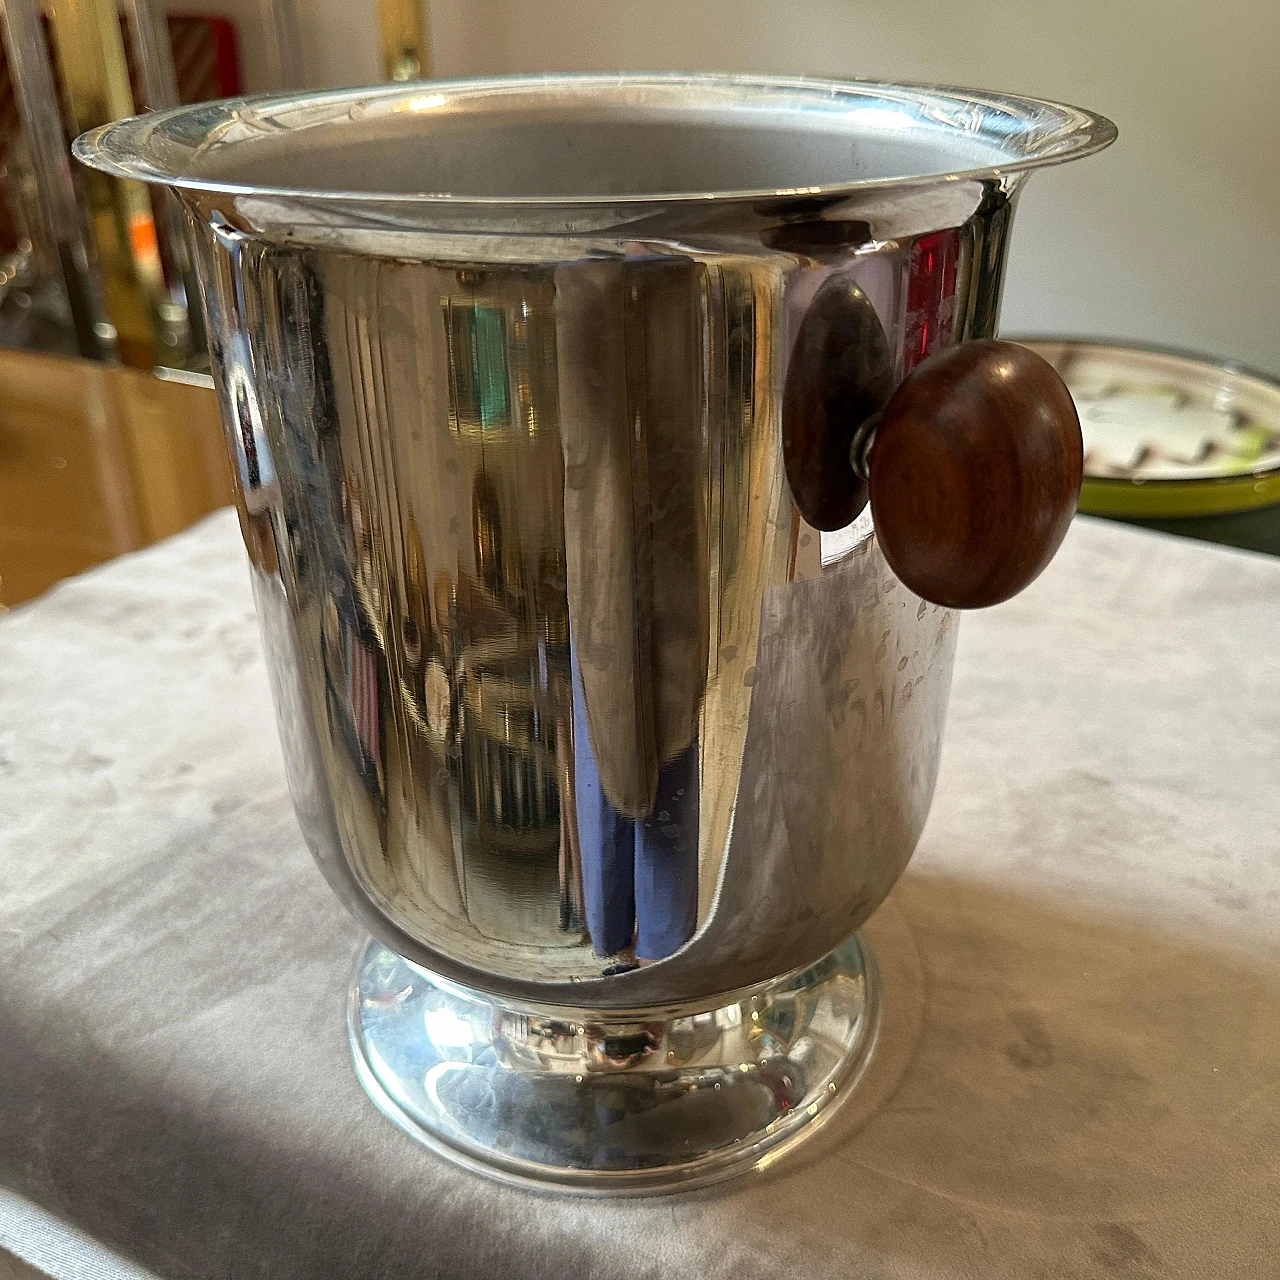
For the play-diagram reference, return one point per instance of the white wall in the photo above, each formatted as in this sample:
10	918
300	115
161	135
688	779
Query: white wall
1172	236
340	43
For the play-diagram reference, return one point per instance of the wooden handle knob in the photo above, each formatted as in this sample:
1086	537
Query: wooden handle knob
840	374
974	473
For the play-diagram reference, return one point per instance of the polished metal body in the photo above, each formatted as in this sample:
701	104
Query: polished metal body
614	1107
484	434
578	711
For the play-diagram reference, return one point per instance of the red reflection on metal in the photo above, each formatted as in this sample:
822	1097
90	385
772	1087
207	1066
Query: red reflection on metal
931	296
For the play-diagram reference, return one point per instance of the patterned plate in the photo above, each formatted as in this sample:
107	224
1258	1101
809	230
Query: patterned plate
1168	434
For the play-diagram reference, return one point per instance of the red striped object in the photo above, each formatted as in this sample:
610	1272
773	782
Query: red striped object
931	295
362	695
204	56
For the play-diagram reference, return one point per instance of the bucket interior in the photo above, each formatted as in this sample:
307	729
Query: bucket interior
594	138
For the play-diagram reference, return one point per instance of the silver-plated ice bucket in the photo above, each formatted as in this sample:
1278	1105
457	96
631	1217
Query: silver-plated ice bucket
554	405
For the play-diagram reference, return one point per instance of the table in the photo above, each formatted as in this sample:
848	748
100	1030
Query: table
1079	1066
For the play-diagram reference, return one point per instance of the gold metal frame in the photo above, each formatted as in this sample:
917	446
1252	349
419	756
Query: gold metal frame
403	24
90	55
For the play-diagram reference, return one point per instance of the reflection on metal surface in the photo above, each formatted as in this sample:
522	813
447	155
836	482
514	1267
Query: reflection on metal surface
544	573
578	710
612	1107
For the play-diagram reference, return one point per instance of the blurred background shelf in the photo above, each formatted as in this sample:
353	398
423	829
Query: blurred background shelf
1168	238
109	429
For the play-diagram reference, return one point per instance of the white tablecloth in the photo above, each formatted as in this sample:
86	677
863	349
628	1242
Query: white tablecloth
1079	1067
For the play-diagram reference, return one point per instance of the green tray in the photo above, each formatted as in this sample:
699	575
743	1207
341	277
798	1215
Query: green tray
1239	469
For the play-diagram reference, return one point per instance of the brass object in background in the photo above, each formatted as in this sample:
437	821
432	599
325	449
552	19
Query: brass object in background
89	47
42	167
97	460
405	55
181	328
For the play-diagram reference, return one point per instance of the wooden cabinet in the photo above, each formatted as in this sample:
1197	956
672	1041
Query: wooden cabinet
97	460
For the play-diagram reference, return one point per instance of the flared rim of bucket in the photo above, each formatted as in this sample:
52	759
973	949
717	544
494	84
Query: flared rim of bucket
258	145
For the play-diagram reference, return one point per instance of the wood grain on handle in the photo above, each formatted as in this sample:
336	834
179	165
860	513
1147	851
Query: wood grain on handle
975	472
840	373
